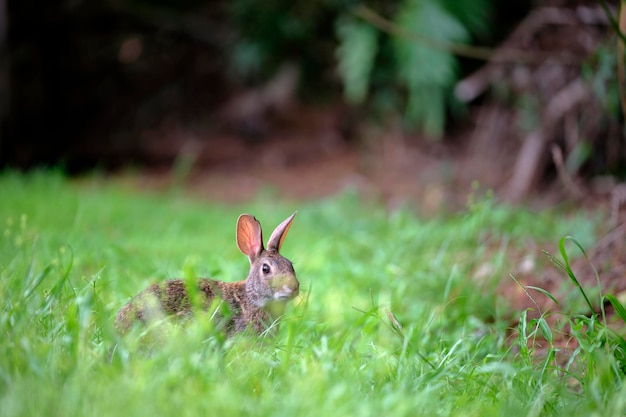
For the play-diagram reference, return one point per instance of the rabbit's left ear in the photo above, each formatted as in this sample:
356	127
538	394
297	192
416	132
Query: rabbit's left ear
278	235
249	236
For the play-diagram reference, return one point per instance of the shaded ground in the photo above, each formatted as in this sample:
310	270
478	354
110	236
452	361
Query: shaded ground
308	154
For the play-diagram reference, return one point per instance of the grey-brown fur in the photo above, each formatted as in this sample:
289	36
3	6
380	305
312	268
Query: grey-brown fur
271	281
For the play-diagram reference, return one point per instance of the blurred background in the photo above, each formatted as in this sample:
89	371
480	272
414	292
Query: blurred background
408	100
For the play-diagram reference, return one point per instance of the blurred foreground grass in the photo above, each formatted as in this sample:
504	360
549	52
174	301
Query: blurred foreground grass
390	321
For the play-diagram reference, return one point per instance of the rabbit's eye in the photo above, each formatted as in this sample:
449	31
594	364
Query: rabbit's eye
266	269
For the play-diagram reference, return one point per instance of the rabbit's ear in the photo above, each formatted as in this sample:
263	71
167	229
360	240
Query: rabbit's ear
249	236
278	235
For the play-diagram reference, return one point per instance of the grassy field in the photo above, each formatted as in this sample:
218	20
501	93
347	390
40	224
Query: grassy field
390	321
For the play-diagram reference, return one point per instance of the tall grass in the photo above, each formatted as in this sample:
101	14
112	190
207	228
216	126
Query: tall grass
390	322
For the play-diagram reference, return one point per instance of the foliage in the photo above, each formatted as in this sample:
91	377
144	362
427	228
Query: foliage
390	321
598	350
428	73
270	33
417	67
382	71
356	51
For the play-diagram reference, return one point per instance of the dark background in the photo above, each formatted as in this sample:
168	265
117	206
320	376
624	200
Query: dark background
110	84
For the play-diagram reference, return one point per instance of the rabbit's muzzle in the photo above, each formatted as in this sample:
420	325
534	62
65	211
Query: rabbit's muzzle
285	288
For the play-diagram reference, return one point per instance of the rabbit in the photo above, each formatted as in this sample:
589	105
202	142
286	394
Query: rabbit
271	282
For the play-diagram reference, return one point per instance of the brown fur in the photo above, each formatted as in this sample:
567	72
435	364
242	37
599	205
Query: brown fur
248	300
170	299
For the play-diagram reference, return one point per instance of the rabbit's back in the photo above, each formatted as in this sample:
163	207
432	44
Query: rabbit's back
171	298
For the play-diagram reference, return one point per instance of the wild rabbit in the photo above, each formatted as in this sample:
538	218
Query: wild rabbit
271	280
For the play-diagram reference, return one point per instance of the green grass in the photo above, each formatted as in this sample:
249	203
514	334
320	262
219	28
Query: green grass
390	322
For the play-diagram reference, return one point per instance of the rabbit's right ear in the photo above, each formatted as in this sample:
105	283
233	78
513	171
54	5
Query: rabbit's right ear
249	236
278	235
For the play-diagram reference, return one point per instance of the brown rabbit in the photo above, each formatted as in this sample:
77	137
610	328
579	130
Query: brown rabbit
271	280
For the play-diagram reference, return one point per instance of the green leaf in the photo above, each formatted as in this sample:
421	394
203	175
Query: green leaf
421	62
358	44
425	68
545	329
474	14
426	107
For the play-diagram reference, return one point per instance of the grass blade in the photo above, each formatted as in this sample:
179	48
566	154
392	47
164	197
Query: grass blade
545	329
544	292
568	268
525	292
36	281
619	308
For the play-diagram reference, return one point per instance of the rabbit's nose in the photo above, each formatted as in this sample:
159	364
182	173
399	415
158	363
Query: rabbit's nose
294	290
286	292
290	291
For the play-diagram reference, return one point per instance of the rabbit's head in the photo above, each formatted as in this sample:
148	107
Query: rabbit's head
272	277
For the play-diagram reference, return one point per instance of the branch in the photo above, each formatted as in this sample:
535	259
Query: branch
477	83
464	50
532	156
564	176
